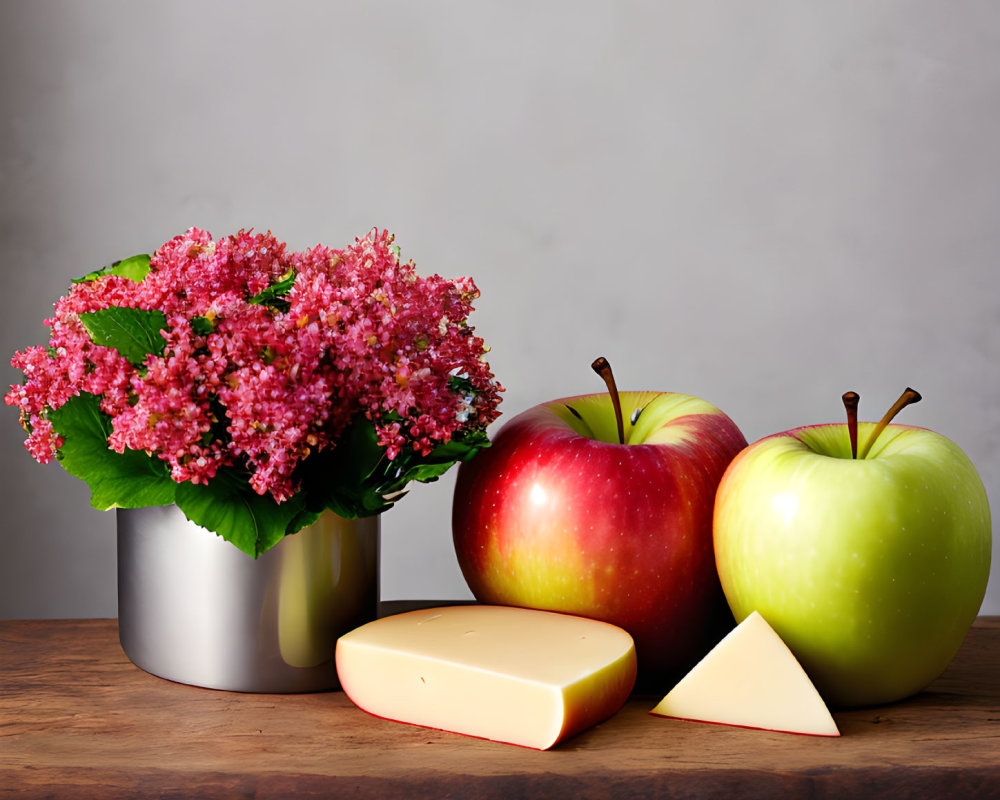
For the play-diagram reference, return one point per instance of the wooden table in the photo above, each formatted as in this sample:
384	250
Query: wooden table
77	720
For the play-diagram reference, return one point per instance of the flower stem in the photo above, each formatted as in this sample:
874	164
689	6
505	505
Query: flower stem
603	368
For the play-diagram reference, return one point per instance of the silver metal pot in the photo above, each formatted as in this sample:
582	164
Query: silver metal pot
193	608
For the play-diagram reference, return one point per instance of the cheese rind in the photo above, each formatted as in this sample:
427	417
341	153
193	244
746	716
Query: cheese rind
515	675
750	679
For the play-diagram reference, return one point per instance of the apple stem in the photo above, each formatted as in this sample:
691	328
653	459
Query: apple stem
906	398
603	368
851	400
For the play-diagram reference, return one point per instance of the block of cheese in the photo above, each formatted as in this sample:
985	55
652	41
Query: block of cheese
753	680
514	675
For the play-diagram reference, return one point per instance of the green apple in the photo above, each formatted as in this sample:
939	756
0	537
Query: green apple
871	568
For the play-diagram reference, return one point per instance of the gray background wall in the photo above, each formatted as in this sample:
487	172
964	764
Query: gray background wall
763	204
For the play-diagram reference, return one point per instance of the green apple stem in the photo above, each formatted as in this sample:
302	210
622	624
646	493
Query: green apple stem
851	400
906	398
603	368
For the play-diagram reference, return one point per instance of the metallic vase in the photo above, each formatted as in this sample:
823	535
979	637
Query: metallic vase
193	608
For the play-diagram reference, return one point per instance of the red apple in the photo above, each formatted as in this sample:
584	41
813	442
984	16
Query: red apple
605	511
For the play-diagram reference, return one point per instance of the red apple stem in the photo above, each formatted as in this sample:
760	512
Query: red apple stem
851	400
603	368
908	397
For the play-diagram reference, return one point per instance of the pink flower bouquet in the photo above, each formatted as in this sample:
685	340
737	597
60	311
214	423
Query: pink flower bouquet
255	387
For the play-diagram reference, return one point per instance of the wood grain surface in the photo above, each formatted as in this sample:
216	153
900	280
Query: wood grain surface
78	720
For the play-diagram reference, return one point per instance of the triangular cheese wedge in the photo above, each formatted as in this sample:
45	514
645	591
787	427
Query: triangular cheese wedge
753	680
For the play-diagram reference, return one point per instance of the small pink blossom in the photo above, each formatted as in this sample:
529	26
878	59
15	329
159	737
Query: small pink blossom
262	385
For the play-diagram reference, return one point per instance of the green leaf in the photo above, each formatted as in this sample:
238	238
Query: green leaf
132	479
202	325
133	332
229	507
135	268
339	478
302	520
273	295
461	385
357	479
411	466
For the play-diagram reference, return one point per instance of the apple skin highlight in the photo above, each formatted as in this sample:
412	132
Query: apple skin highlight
549	517
870	569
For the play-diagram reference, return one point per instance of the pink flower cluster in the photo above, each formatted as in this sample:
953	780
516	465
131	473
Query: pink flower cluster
262	385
